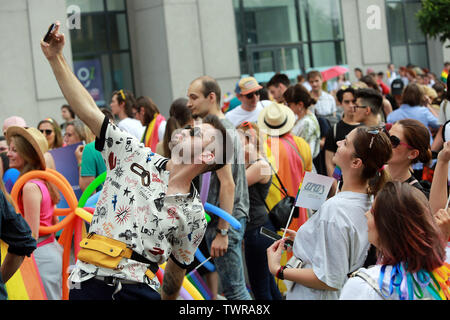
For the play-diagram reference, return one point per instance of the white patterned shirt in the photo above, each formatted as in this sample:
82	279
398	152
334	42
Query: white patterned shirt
133	208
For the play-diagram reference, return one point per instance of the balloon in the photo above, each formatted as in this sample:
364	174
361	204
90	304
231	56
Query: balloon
223	214
83	214
205	186
70	223
58	182
208	265
10	177
91	188
92	201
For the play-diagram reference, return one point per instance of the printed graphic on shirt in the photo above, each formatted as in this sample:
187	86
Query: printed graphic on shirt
133	207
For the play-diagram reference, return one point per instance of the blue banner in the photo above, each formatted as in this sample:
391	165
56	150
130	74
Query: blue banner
89	72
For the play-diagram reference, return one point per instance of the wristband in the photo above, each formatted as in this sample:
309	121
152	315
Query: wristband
280	273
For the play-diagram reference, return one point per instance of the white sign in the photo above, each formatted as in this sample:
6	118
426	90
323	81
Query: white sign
314	191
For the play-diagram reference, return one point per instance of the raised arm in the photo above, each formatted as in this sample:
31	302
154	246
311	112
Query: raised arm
438	192
76	95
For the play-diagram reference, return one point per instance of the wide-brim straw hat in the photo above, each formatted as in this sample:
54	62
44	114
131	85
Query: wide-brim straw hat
276	119
34	137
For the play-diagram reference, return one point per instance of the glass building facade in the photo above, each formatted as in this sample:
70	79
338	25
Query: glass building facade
408	44
101	47
289	36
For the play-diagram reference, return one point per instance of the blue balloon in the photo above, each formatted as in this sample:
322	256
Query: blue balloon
208	265
9	178
223	214
92	200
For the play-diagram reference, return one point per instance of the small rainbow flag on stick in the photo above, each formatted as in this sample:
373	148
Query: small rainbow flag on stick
197	281
337	174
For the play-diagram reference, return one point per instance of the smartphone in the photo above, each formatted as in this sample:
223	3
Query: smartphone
274	236
50	30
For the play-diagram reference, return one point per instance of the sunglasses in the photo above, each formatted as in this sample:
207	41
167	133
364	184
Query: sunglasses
395	141
47	132
251	95
194	131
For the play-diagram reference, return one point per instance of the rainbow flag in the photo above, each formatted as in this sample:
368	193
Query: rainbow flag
197	281
150	137
337	173
290	170
444	76
26	283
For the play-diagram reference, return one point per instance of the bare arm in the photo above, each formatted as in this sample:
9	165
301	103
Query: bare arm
255	173
305	277
10	265
173	279
76	95
226	198
32	198
438	192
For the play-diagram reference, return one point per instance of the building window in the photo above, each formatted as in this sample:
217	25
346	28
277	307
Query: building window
289	36
101	48
408	43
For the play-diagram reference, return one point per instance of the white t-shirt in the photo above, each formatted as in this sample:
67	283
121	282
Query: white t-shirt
239	115
444	112
333	242
132	126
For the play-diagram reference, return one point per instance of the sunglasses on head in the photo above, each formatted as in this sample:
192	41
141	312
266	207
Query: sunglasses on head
122	95
395	141
47	132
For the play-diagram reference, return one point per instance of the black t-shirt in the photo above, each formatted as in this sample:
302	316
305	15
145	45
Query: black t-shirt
342	129
413	181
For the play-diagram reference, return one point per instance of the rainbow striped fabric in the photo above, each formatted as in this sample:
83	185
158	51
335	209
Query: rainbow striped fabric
26	283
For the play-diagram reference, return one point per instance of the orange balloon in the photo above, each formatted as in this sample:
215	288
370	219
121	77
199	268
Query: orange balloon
58	181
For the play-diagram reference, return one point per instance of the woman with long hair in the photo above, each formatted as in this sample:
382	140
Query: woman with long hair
411	250
259	180
306	125
333	242
52	132
180	117
37	201
410	144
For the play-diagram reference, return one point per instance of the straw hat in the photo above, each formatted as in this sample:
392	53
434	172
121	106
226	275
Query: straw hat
276	119
34	137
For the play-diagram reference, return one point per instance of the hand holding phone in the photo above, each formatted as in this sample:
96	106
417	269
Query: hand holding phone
275	236
49	32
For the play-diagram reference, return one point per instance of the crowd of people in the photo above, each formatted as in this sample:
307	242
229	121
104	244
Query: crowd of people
382	233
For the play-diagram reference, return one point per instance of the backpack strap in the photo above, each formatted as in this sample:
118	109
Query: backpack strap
370	281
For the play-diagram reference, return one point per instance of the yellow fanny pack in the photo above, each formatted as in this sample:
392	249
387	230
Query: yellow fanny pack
102	251
106	252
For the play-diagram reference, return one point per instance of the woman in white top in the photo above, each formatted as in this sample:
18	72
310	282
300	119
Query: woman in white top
411	250
333	242
306	126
